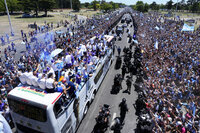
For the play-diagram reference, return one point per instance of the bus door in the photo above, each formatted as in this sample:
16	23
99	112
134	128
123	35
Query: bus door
64	115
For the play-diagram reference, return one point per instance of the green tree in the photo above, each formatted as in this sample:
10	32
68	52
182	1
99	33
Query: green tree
35	6
2	6
169	4
106	6
94	4
87	4
195	7
154	6
12	5
76	5
139	6
146	7
46	5
25	5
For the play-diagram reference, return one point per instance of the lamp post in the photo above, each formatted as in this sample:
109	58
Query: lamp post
71	3
12	34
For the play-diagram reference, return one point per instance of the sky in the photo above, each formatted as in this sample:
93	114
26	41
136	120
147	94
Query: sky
132	2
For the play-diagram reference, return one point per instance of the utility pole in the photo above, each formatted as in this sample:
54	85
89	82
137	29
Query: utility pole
11	30
71	4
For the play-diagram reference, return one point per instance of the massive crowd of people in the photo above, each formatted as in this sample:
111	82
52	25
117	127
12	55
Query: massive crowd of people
170	61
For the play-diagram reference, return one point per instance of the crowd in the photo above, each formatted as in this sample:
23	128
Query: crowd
83	44
170	61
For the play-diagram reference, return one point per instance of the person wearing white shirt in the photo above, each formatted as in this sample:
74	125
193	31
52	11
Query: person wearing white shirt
34	80
29	76
50	83
42	81
22	78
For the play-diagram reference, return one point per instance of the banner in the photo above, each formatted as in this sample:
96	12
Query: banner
186	27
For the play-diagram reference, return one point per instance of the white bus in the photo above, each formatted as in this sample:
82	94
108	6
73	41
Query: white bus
34	111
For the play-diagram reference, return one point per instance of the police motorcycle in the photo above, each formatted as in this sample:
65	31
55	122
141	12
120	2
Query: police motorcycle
117	84
116	126
145	122
102	120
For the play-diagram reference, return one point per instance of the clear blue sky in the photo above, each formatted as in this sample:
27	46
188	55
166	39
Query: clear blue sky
132	2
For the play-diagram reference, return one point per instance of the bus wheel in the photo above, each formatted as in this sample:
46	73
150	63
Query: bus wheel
85	110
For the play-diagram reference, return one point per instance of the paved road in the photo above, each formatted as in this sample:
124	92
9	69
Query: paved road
104	97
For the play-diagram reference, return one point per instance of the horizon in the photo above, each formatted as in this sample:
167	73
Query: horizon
129	2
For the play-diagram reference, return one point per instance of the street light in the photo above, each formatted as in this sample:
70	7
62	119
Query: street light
71	4
12	34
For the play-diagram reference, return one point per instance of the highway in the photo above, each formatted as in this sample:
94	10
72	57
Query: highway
103	96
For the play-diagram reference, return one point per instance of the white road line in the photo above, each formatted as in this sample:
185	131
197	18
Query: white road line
114	115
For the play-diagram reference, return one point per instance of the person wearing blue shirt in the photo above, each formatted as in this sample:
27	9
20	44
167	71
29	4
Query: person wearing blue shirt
71	88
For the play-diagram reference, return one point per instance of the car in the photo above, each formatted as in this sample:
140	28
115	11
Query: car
26	15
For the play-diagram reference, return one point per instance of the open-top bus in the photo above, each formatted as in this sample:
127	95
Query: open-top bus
34	111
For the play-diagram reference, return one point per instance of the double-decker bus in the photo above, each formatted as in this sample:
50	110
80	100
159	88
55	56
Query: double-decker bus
34	111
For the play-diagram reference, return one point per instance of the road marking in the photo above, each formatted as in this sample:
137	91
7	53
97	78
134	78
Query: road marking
114	115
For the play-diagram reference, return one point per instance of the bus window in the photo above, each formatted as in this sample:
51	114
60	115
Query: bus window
57	108
27	110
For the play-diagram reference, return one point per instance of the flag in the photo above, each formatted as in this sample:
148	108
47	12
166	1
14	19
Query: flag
156	45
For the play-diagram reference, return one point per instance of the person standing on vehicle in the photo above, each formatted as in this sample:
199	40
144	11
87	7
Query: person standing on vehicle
123	110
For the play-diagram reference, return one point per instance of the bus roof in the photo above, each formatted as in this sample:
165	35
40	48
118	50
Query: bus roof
30	93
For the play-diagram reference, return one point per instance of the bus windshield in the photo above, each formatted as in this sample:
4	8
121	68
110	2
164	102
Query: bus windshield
27	110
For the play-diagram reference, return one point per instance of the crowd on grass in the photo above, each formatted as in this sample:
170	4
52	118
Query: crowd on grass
171	63
83	44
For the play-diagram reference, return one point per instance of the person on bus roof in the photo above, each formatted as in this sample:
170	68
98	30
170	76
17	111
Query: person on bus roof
42	81
71	88
50	83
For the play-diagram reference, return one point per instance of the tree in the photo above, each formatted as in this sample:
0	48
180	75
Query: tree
76	5
169	4
12	5
35	6
46	5
154	6
87	4
139	6
195	7
2	6
106	6
25	5
94	3
146	7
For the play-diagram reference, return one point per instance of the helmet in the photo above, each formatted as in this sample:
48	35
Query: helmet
124	100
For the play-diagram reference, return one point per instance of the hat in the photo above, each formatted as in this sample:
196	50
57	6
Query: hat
44	71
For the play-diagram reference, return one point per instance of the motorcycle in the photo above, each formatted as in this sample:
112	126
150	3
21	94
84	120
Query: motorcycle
117	84
116	125
102	120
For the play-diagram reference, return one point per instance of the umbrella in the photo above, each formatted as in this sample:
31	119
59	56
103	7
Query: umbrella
56	52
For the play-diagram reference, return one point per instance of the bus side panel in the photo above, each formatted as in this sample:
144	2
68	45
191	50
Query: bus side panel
82	101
